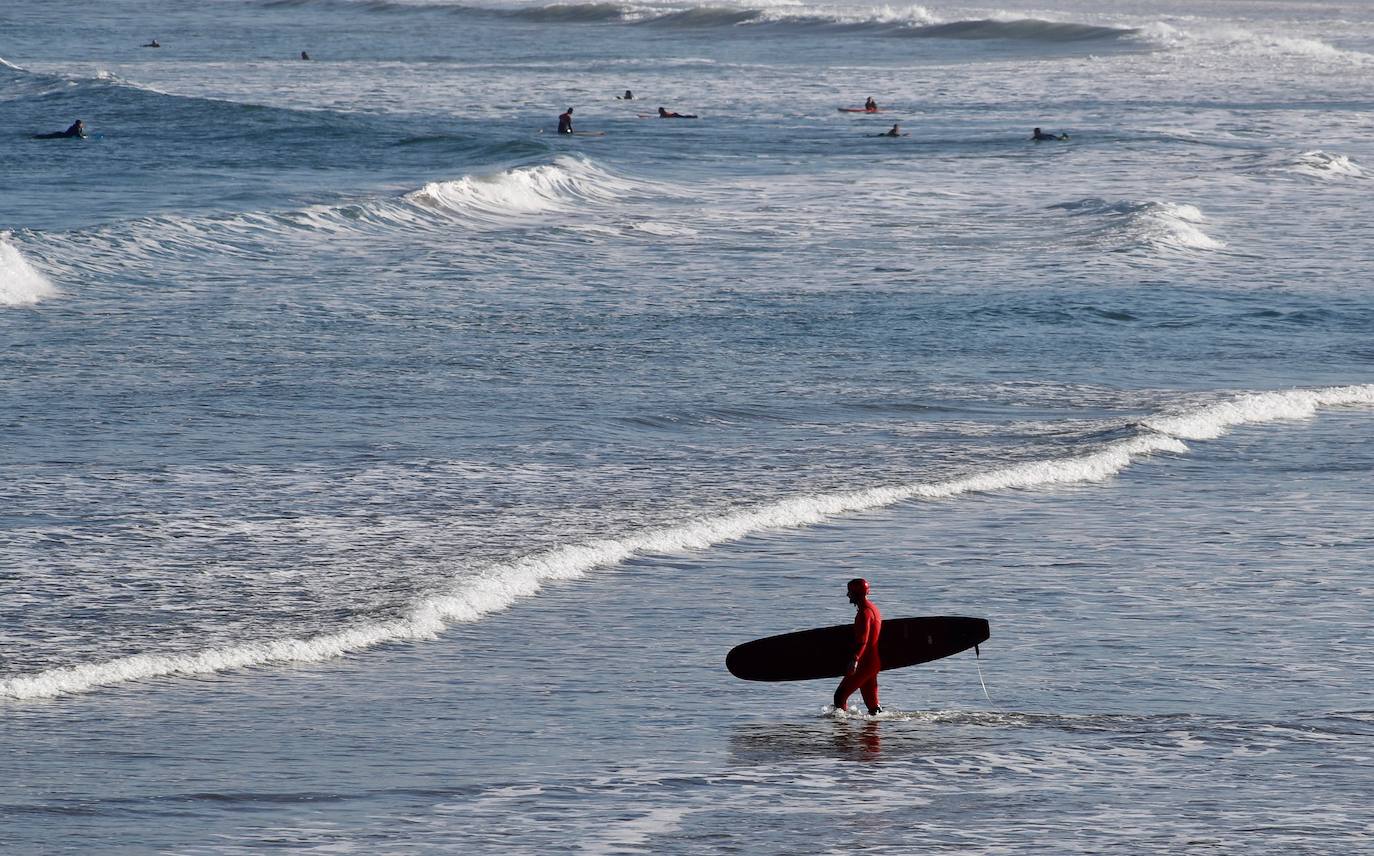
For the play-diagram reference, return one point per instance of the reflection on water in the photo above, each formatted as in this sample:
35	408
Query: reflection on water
891	737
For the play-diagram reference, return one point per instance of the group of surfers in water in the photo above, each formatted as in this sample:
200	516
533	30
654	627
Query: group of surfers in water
154	43
565	121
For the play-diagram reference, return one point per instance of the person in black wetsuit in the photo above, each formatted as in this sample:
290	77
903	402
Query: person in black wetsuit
870	105
666	114
305	55
565	122
153	44
628	96
1038	135
77	129
895	131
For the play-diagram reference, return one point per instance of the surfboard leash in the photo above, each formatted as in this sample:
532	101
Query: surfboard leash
977	660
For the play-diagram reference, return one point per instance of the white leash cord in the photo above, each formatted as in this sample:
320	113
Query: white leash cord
979	667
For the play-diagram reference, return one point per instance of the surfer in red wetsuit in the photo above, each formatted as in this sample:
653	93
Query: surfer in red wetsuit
863	669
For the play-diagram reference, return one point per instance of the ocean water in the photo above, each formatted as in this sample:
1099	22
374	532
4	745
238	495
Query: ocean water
384	473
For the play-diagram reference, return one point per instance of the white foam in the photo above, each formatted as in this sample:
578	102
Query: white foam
1166	225
1170	224
557	186
20	284
495	200
501	585
636	834
1212	421
1321	164
663	230
910	16
1248	43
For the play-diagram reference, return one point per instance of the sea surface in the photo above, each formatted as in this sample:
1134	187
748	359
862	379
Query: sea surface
385	473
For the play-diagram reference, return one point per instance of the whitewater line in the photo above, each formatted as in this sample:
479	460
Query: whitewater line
502	584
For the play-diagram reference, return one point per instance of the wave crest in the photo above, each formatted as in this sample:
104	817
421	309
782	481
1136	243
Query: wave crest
1319	164
573	12
913	20
476	201
1024	29
1247	43
20	284
557	186
1132	225
1213	420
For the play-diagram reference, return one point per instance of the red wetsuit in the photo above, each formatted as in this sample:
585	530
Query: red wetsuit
868	624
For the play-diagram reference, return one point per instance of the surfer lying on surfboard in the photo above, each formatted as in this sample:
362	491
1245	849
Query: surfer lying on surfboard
1039	135
76	129
894	131
670	114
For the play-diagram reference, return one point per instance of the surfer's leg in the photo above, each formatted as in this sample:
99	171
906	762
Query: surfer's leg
870	694
846	689
865	679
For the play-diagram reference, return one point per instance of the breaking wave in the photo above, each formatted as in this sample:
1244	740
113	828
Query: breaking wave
1211	421
556	186
20	284
574	13
1132	225
500	585
1247	43
1319	164
1026	29
472	202
914	20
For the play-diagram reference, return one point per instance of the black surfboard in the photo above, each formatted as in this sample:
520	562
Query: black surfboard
826	651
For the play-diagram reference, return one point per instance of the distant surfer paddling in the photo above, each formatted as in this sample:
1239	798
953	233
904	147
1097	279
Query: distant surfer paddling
565	122
1039	135
76	129
672	114
862	674
628	96
894	131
